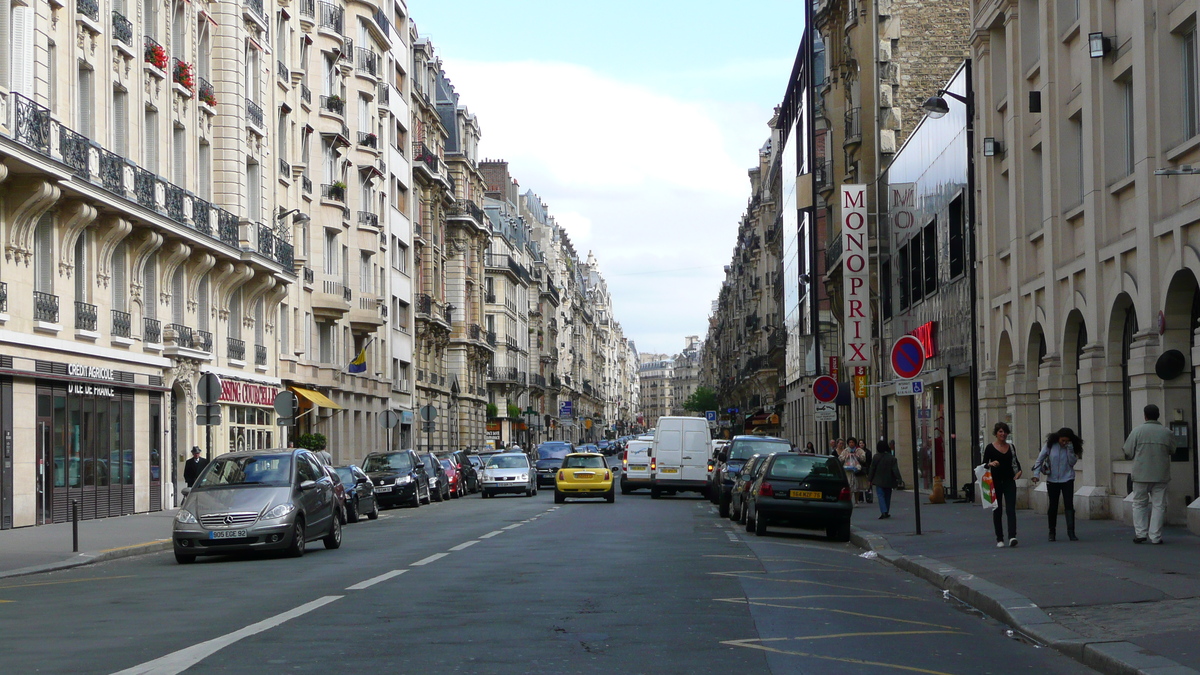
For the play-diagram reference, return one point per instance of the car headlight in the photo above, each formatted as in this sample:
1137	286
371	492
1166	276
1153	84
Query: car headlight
523	476
185	517
279	511
404	480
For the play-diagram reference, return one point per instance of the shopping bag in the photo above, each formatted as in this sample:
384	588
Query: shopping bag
987	491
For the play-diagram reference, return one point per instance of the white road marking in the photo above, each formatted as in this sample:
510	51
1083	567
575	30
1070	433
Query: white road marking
491	534
509	527
374	580
732	536
426	561
464	545
177	662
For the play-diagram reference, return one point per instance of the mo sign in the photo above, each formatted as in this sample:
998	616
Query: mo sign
856	276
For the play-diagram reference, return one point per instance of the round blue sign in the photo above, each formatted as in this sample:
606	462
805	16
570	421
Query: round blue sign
908	357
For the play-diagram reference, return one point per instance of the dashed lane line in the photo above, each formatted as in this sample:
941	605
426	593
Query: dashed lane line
374	580
491	534
465	544
426	561
732	537
509	527
177	662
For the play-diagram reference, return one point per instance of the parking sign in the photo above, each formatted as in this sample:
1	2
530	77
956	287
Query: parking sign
710	415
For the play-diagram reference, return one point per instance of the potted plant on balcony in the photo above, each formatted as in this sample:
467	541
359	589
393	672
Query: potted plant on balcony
492	411
370	140
208	97
183	75
338	191
514	411
156	55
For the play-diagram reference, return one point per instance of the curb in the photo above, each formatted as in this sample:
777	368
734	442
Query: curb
1106	656
91	558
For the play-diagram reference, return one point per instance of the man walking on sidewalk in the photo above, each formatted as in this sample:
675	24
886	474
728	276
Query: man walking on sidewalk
194	466
1149	446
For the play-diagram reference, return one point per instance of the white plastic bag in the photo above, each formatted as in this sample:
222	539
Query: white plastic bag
984	487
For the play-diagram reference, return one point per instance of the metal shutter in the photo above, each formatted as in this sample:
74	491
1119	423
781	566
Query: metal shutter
178	301
118	278
150	288
87	102
120	122
202	303
44	254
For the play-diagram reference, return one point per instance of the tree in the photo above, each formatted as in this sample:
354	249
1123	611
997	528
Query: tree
701	400
312	442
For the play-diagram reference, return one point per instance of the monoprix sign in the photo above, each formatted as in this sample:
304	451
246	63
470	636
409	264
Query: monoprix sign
856	276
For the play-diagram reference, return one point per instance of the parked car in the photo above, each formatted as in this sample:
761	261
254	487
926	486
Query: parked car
588	447
477	464
800	490
360	493
714	476
454	479
339	490
257	500
509	472
636	464
681	455
584	475
733	458
469	471
549	460
745	478
439	482
398	477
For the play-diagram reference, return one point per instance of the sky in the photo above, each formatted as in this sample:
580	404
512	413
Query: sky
636	122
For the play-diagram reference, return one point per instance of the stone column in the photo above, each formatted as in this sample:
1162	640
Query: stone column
1100	404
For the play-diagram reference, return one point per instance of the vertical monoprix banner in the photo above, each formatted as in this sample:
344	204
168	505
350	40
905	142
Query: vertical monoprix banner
856	276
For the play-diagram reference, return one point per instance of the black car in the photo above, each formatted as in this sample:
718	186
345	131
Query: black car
439	481
360	493
398	477
470	465
800	490
548	460
733	458
745	478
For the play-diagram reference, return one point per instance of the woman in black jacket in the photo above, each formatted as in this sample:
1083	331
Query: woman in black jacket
884	474
1001	458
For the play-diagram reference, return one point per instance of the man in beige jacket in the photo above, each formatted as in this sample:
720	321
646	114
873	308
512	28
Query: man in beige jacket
1150	446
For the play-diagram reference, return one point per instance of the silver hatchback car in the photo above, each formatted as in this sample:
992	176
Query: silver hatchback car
255	501
509	472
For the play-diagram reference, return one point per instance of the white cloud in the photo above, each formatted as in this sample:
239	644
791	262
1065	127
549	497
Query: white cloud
652	183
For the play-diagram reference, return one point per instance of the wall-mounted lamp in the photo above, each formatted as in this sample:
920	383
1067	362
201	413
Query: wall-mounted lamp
1098	45
992	147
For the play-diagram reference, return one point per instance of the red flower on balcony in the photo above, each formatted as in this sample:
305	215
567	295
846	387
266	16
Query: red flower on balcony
156	56
208	97
184	76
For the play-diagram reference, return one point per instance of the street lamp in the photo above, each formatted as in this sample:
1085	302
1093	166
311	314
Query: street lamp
530	414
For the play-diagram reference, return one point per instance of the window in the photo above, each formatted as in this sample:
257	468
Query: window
916	276
52	57
902	277
120	285
202	304
282	330
1072	150
1127	110
235	315
179	146
281	138
81	282
327	336
178	296
329	160
120	122
150	18
87	102
21	75
327	73
150	288
931	256
365	275
204	179
254	192
402	316
308	334
253	73
259	322
150	148
957	242
1191	106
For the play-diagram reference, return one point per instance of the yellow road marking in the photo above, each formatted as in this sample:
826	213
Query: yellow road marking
860	662
122	548
65	581
837	611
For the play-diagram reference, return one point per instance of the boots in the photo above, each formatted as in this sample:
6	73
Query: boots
1053	518
1070	526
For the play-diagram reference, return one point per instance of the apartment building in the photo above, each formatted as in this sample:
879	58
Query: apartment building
685	378
654	375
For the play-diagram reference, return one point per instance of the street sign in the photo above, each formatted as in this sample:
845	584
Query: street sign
210	388
566	409
286	403
732	411
908	357
208	415
860	386
825	389
710	415
910	387
826	412
924	413
429	427
428	413
388	419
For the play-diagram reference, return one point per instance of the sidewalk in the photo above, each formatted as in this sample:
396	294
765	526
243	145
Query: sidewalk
30	550
1116	606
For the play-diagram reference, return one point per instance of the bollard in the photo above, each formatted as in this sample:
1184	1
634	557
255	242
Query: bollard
75	526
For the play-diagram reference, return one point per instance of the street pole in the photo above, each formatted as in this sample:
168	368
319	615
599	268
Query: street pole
912	417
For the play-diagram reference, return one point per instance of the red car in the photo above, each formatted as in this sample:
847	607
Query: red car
454	472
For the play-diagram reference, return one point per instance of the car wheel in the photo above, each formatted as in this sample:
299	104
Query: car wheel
654	492
454	493
296	549
714	494
611	496
742	513
760	526
624	487
723	505
749	522
184	558
528	492
428	496
352	512
374	514
733	511
334	538
838	532
559	497
415	502
485	494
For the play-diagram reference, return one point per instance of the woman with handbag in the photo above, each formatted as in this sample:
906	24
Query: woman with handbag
852	459
884	474
1057	460
1000	457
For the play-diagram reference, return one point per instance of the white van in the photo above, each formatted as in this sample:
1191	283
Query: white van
636	472
681	450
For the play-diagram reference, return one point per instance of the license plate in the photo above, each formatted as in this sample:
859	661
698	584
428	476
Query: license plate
637	467
671	470
227	534
804	494
585	474
383	488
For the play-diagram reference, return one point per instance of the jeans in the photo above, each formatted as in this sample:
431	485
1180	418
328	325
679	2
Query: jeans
884	497
1067	491
1006	500
1149	510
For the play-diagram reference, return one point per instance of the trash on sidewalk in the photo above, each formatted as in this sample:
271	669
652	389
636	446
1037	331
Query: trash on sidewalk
945	595
869	555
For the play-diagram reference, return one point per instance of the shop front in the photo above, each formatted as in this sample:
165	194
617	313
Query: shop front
248	416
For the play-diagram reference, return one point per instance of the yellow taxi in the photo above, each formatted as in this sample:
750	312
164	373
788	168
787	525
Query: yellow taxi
584	474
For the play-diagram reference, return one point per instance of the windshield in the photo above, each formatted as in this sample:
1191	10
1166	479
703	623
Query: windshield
800	467
553	450
392	461
747	448
583	462
247	470
345	474
507	462
447	465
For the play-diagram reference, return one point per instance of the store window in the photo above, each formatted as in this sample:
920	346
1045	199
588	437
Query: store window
250	428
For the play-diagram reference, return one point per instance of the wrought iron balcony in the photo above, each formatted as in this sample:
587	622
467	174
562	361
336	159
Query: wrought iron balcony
347	293
208	95
32	124
260	355
385	93
154	53
368	139
204	341
256	6
235	349
333	104
854	125
426	156
173	197
335	192
489	298
331	17
227	229
823	176
347	53
491	338
122	28
283	72
151	331
183	336
285	170
475	332
306	184
424	304
305	93
121	323
74	148
266	241
309	275
88	8
384	24
85	316
143	188
448	314
254	113
112	172
308	8
368	62
368	218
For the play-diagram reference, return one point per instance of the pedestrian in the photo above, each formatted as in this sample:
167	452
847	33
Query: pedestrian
851	458
861	484
1150	446
833	447
1057	460
1001	458
325	457
884	474
810	448
193	467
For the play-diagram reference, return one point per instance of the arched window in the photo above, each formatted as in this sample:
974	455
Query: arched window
1080	341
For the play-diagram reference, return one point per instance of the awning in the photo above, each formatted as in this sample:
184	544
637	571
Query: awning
316	398
764	419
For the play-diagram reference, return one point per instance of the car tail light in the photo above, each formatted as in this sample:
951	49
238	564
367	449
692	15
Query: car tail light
765	490
710	466
561	476
653	463
844	495
607	476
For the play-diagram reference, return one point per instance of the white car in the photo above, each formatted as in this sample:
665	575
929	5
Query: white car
508	472
637	465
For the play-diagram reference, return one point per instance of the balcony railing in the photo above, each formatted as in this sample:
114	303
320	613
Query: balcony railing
183	336
122	28
154	53
285	170
448	314
367	218
335	192
235	349
823	176
85	316
305	93
333	104
385	93
368	139
89	8
112	172
183	74
282	71
208	95
260	355
503	374
368	62
309	275
347	53
491	338
489	298
227	229
475	332
121	323
384	24
151	331
75	149
424	304
254	114
308	8
833	251
143	188
347	293
426	156
173	199
256	6
854	125
204	341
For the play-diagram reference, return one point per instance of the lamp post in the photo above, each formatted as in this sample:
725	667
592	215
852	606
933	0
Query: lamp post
530	415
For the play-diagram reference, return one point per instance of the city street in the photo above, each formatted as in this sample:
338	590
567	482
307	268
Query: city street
511	585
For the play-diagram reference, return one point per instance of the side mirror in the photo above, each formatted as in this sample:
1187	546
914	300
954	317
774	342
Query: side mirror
308	484
361	480
185	491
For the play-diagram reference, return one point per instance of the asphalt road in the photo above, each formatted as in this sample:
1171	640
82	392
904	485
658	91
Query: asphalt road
511	585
